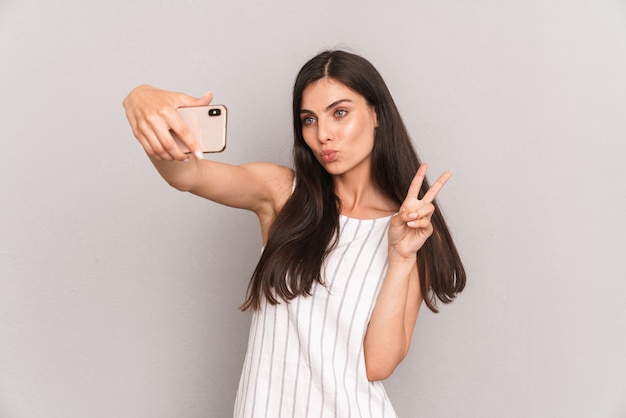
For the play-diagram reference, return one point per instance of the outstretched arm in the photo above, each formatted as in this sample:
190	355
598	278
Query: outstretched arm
260	187
389	332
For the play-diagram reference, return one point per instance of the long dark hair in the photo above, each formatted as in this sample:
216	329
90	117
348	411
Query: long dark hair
306	228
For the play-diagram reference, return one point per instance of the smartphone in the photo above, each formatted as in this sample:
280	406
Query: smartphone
208	125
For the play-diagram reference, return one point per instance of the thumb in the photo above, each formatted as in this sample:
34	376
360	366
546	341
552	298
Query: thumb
183	100
204	100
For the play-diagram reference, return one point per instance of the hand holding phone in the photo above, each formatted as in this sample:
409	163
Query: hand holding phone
208	126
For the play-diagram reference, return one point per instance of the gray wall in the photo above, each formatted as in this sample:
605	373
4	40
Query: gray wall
119	295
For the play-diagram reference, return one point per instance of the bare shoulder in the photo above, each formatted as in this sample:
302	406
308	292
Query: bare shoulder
259	187
274	185
278	179
275	180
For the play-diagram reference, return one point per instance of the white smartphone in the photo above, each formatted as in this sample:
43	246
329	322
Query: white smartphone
208	125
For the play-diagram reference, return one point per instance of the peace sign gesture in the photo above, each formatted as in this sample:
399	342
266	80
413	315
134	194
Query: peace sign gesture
411	226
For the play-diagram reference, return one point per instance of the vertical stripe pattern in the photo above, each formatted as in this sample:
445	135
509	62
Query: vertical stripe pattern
305	358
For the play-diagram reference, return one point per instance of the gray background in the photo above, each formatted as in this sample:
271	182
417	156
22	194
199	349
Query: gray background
119	295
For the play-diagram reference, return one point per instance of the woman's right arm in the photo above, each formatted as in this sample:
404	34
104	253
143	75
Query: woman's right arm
260	187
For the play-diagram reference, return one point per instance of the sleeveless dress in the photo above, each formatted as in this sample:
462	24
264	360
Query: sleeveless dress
305	358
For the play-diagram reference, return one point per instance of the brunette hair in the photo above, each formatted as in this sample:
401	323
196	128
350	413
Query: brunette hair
307	227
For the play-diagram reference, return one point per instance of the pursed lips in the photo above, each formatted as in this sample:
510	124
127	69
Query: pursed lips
328	155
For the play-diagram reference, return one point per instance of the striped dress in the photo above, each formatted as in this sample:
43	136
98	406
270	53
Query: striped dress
305	358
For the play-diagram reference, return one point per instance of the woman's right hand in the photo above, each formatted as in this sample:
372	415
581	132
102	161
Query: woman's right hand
152	115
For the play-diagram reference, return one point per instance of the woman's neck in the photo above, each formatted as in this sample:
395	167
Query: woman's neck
361	199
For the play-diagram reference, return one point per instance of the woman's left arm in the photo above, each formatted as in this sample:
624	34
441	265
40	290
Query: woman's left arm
389	332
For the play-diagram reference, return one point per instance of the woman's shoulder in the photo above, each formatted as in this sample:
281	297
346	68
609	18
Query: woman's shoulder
275	175
276	179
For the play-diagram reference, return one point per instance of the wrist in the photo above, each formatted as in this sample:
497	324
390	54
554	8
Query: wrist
395	257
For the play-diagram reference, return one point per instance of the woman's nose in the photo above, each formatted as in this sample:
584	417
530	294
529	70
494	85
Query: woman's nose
323	131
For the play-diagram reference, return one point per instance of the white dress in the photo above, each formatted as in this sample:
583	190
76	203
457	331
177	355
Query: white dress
305	358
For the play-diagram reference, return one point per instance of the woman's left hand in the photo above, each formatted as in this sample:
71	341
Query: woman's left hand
411	226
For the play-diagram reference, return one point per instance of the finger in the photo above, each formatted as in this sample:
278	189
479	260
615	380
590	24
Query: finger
420	223
145	143
157	133
166	144
423	225
416	183
143	133
423	213
434	190
181	130
185	135
156	148
184	100
202	101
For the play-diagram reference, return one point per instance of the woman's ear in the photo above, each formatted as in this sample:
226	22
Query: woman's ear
375	115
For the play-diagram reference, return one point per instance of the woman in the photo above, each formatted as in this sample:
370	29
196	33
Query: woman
353	240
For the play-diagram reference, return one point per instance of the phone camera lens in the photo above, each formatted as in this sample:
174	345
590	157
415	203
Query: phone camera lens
215	112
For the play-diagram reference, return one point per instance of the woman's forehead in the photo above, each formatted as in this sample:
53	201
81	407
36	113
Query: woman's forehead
327	90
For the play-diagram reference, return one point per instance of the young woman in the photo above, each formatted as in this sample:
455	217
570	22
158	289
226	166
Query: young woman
353	240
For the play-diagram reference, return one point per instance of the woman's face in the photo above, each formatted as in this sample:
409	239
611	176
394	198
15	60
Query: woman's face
338	125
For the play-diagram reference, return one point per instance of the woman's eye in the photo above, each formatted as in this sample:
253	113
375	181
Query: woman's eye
341	113
309	120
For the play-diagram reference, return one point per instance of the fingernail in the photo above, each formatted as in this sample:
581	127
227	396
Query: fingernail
198	154
186	160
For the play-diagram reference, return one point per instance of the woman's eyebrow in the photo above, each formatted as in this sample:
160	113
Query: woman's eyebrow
330	106
333	104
